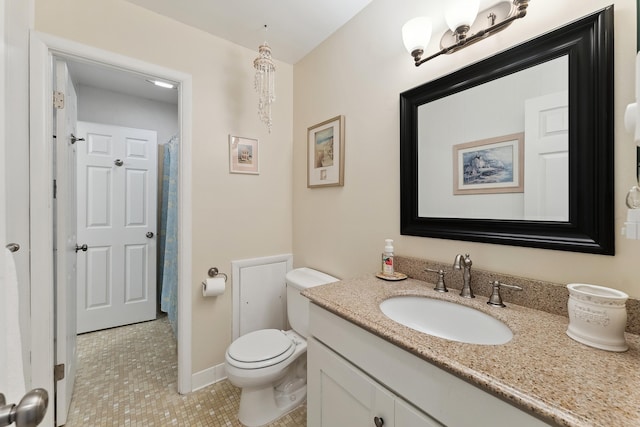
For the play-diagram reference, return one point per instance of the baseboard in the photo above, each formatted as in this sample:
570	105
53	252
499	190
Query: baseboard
208	376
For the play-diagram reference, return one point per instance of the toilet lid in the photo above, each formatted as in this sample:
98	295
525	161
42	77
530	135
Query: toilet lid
264	347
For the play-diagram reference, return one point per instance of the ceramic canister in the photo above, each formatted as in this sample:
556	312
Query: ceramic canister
597	316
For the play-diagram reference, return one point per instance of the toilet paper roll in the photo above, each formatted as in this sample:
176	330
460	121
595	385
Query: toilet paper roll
213	287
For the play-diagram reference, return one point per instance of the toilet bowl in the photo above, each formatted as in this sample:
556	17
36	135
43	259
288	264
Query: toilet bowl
270	365
271	383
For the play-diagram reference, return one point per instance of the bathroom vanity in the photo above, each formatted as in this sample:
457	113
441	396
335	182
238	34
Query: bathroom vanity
365	369
346	396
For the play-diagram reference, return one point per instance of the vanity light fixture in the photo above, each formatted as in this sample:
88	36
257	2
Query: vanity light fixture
265	82
162	84
466	26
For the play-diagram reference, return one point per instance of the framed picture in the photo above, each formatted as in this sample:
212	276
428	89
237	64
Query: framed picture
243	155
489	166
325	153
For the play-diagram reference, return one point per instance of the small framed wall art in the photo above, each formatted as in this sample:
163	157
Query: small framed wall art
493	165
243	155
325	153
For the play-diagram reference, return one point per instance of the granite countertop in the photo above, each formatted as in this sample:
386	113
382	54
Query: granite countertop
541	370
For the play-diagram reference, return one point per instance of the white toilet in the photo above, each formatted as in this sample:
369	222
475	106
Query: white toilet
271	365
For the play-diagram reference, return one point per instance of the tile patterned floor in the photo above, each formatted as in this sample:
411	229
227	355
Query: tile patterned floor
127	377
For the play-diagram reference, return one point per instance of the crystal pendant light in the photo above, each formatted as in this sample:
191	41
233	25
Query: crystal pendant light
265	83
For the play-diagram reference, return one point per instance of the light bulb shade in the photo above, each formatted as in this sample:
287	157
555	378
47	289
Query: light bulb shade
416	33
461	12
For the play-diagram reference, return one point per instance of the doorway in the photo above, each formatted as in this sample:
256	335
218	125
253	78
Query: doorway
115	197
43	49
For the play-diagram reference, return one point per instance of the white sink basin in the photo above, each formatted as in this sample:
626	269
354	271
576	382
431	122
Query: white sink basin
447	320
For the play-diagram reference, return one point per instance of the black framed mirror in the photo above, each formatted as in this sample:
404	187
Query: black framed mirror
584	50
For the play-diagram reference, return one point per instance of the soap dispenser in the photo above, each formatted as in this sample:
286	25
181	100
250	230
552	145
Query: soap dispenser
387	258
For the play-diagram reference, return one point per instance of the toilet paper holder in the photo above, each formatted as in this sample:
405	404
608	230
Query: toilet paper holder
213	272
214	286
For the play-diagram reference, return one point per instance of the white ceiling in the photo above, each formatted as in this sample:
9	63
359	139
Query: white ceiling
100	76
294	27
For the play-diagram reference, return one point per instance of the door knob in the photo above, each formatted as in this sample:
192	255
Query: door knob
118	162
150	234
74	139
13	247
28	413
82	248
379	422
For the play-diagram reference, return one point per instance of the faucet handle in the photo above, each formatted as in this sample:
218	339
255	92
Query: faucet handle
440	286
496	299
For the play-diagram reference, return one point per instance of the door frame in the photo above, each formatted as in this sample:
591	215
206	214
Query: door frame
42	48
3	134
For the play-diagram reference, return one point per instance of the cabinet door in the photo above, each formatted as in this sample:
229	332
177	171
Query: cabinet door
342	395
408	416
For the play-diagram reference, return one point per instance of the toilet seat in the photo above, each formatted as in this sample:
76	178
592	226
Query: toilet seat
260	349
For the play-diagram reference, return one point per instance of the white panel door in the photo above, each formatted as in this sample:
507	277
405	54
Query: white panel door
117	216
65	239
546	170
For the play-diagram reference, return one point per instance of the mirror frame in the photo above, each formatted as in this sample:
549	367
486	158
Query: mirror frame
588	42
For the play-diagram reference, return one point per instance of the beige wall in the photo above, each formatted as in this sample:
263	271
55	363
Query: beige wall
359	72
234	216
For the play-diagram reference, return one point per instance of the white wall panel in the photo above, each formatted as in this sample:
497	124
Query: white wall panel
259	293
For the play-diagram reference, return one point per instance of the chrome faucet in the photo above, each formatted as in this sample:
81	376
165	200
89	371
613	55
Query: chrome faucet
464	262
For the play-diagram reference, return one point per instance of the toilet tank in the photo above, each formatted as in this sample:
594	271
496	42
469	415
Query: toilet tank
298	280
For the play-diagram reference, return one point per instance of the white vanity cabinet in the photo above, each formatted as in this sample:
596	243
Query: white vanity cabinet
343	395
354	376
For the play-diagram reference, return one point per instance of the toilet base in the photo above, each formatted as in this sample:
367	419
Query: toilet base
289	401
261	406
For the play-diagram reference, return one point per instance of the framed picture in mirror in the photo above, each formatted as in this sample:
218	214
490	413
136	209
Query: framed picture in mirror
489	166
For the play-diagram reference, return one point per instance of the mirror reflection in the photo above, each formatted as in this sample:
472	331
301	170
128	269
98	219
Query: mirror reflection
498	150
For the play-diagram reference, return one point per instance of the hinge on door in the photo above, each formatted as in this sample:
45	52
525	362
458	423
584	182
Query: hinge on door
55	188
58	100
58	372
